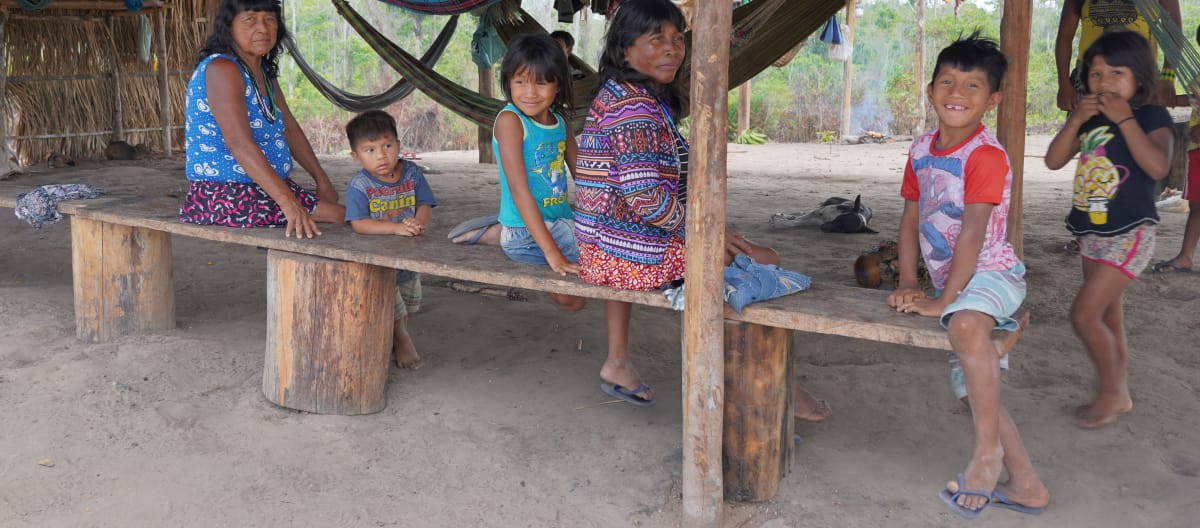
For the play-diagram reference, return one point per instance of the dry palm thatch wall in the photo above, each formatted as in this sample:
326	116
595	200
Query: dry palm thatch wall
75	80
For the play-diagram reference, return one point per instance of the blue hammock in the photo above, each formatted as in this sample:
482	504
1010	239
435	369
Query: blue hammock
441	7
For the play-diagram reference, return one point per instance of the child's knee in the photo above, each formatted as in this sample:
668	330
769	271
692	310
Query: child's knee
969	323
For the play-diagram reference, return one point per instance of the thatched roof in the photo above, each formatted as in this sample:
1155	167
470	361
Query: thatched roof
76	79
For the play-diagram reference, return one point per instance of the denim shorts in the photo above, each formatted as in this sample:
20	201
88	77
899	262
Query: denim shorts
520	246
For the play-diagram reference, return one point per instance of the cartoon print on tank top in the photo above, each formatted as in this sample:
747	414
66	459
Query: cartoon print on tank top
1096	178
551	166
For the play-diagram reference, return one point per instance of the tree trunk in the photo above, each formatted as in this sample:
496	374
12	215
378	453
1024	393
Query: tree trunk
1010	118
919	70
848	70
329	334
123	280
758	410
703	328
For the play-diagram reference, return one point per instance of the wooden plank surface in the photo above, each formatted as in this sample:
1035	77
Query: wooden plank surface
824	308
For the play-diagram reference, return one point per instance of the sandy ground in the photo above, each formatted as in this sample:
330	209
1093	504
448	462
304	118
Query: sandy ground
505	426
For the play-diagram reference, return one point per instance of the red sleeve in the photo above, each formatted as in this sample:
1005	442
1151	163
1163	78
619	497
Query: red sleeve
908	188
983	178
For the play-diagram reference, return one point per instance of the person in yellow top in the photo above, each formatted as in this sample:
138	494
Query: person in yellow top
1096	17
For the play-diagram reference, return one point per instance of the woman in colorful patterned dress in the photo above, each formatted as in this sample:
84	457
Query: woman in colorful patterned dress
241	136
631	177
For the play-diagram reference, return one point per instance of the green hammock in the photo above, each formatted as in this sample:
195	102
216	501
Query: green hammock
758	38
361	103
1177	49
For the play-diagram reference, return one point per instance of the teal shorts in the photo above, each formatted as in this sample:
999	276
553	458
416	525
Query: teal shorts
995	293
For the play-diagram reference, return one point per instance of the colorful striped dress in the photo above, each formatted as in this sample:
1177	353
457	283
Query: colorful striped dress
629	212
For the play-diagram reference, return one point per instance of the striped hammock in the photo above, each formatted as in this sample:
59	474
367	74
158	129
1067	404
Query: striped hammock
441	7
361	103
1177	49
756	41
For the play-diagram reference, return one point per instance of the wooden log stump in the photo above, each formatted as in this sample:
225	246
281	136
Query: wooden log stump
329	334
122	278
758	410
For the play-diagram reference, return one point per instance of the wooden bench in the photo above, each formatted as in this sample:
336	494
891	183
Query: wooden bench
123	284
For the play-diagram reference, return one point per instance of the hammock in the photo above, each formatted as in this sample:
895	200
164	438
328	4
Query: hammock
441	7
477	108
361	103
1176	47
754	46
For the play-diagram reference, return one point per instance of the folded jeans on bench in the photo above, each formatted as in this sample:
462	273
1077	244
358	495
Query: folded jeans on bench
747	281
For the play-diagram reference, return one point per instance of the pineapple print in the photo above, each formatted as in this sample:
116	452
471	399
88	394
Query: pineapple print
1096	178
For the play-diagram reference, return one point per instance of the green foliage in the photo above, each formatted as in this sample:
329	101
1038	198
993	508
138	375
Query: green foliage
750	137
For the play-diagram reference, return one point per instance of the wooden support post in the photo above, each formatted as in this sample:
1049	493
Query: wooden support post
848	71
1010	118
123	280
3	79
758	410
919	70
703	328
743	107
323	355
164	97
485	133
118	118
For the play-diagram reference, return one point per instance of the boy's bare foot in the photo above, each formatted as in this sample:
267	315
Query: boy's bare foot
489	236
403	349
808	408
408	358
981	475
623	374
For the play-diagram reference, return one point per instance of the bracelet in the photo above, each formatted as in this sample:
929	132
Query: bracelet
1123	121
1167	74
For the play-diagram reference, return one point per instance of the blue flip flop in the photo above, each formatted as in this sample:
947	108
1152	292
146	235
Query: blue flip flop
478	224
951	500
628	395
1000	501
1166	266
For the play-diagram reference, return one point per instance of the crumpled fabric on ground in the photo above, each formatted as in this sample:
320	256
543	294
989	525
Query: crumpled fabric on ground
747	281
38	207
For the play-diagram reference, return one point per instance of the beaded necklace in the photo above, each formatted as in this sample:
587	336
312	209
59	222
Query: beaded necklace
268	107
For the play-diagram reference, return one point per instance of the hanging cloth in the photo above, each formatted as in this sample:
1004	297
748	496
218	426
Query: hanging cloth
832	34
486	47
567	9
143	38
